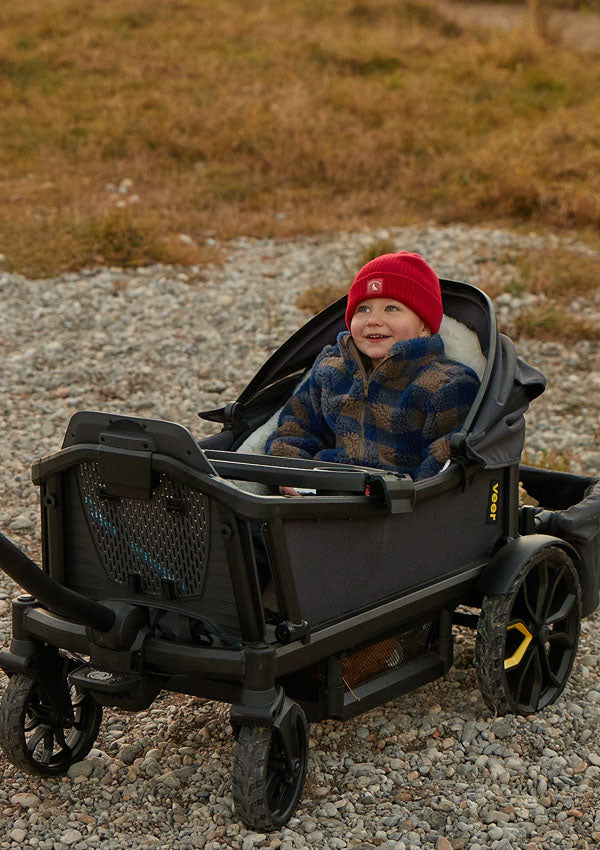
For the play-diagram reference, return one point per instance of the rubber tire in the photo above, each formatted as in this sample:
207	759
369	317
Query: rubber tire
490	645
256	776
20	698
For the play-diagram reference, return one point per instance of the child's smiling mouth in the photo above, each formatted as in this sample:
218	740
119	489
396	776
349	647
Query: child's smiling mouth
376	336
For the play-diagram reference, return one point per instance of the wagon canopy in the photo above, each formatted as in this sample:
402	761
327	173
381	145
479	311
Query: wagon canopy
494	433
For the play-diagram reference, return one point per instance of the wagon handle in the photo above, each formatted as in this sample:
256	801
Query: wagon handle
58	599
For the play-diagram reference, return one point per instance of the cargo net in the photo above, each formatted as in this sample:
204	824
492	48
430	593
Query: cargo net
366	664
158	542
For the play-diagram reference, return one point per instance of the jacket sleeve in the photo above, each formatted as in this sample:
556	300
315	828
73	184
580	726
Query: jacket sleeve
446	411
302	430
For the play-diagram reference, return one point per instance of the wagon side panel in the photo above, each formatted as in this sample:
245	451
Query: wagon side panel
341	567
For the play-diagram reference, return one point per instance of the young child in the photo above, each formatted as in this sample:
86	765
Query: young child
384	395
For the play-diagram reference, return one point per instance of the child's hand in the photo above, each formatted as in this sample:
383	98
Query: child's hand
301	491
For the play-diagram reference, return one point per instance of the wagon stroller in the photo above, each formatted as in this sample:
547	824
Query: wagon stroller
150	579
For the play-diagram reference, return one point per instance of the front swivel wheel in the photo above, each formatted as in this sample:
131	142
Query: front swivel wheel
269	770
40	737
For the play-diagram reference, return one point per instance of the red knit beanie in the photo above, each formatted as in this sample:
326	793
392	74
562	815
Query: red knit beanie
405	277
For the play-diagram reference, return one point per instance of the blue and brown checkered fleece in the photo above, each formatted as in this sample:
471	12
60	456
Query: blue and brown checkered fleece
398	417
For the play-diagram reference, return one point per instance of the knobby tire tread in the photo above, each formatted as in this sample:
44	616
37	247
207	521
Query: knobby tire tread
249	774
253	777
489	656
491	637
12	718
15	699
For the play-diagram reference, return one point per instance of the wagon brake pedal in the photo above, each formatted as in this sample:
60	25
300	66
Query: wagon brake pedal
135	690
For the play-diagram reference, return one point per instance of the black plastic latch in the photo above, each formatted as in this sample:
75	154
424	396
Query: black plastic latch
225	415
458	454
457	444
126	460
467	471
397	491
231	417
126	473
286	631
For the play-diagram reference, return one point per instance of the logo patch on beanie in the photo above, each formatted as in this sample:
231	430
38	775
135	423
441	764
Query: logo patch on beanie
375	285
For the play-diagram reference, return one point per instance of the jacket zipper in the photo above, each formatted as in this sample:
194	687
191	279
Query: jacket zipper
366	381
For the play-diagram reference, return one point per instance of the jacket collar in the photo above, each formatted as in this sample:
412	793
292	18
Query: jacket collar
405	359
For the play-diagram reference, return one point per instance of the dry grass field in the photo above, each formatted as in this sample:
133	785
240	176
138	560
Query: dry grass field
125	125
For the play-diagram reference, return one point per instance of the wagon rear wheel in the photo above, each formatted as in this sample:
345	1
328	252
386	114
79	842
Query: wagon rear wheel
527	639
267	780
36	737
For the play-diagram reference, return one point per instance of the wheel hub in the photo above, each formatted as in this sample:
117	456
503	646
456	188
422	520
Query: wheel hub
543	634
526	637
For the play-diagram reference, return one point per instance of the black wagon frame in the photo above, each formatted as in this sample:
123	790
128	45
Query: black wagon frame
150	579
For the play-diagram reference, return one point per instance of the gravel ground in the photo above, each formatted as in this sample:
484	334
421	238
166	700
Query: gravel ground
432	769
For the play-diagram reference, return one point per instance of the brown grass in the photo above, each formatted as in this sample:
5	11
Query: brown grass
187	116
317	297
552	323
574	5
561	276
551	459
560	273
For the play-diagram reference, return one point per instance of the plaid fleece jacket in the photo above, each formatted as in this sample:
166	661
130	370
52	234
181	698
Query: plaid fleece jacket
399	417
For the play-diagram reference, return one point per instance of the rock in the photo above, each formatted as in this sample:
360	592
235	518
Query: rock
469	732
321	791
80	768
21	522
27	801
502	729
70	836
252	839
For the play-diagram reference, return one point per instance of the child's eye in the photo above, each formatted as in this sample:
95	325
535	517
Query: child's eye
362	308
391	308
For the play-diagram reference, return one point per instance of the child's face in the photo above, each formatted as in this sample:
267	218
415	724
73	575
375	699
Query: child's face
378	323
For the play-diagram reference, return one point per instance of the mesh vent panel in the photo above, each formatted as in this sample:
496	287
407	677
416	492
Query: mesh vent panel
162	539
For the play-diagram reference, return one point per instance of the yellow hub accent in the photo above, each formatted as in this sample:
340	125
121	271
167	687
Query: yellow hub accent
518	654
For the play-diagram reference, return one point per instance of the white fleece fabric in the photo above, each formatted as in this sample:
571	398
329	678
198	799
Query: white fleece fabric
462	344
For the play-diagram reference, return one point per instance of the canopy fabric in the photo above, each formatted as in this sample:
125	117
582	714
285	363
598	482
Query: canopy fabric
495	432
497	435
